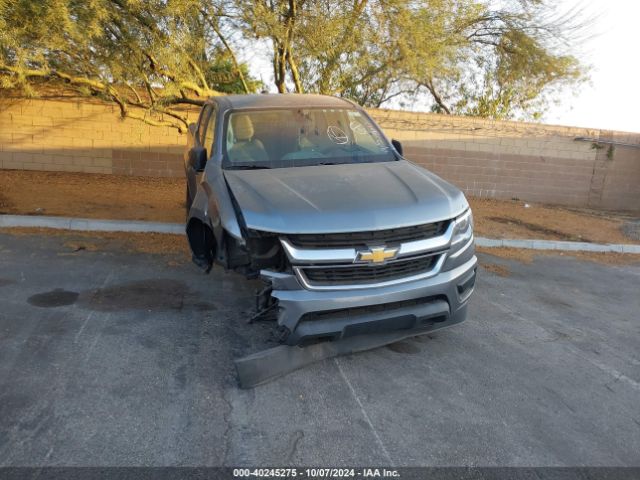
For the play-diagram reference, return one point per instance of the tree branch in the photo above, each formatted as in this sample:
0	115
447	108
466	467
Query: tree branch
155	123
436	97
234	59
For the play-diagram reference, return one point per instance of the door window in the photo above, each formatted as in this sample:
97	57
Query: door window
204	120
209	133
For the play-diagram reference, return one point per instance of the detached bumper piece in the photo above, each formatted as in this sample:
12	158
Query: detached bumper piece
267	365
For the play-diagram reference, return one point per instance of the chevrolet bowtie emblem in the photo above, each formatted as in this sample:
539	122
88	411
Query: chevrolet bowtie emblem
376	255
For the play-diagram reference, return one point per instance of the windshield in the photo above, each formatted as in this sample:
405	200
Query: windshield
302	137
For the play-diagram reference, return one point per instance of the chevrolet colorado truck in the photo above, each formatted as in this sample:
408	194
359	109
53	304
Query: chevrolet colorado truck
349	238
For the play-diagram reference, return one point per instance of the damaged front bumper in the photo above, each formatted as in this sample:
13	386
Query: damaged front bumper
309	316
356	320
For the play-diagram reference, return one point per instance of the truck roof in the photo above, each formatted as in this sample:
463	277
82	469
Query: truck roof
281	100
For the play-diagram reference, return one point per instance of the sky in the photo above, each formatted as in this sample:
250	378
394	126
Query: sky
609	100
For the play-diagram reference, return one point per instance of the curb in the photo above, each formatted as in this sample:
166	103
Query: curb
87	224
558	245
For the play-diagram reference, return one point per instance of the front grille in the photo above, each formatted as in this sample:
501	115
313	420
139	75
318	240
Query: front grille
373	237
358	273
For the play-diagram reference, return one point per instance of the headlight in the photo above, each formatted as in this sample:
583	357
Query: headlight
463	228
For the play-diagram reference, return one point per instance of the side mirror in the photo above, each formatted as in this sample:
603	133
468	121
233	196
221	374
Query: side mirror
192	129
397	145
198	158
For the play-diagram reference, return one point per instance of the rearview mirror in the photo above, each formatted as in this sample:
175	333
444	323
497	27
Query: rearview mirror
397	145
198	158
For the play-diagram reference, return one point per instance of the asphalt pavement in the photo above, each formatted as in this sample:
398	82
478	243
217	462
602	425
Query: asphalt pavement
113	358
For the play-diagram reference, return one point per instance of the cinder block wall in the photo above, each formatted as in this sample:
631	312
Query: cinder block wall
83	136
528	161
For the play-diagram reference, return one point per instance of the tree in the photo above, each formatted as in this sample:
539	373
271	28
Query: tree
470	56
510	62
146	56
492	58
277	21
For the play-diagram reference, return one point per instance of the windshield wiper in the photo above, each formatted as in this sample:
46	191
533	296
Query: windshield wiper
247	166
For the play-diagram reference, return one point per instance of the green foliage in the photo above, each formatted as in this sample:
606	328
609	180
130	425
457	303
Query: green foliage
146	54
490	58
223	77
518	78
470	56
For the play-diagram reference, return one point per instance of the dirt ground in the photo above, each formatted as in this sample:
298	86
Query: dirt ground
516	219
162	199
92	196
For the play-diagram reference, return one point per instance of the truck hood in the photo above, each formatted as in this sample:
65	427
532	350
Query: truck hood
342	198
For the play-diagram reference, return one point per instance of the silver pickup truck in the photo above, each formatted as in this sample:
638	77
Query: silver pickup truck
306	193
